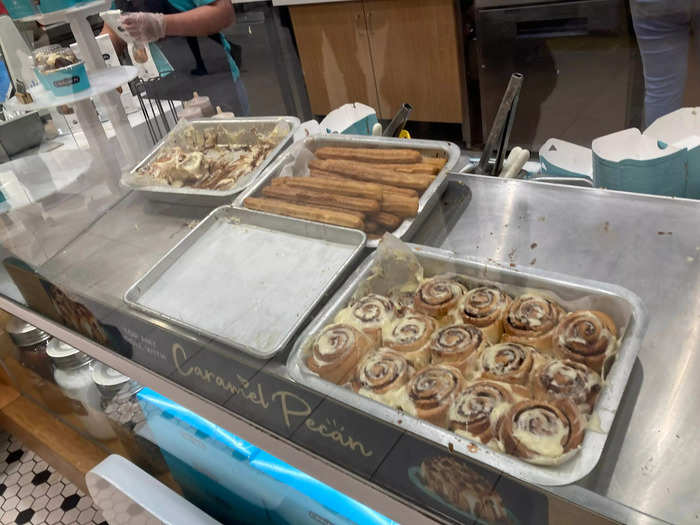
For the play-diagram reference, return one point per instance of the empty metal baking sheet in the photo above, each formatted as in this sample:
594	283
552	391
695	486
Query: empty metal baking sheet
246	278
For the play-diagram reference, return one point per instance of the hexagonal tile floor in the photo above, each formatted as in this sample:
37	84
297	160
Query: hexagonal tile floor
32	492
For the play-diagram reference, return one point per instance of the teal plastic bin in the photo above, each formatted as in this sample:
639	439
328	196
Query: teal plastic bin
65	81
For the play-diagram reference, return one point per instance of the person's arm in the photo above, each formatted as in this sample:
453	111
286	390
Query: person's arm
201	21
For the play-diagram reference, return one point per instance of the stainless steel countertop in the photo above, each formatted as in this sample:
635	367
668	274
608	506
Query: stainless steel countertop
650	245
648	464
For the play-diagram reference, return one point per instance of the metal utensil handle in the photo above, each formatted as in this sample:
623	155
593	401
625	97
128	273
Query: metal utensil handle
502	124
399	121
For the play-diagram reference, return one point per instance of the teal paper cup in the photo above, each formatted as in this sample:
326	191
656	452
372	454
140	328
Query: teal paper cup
19	8
65	81
48	6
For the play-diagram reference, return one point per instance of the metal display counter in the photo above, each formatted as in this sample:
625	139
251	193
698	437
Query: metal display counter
647	244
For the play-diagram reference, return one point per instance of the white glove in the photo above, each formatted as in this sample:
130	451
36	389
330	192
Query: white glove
144	27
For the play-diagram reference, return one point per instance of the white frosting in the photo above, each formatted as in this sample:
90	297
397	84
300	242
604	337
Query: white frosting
546	444
397	398
593	424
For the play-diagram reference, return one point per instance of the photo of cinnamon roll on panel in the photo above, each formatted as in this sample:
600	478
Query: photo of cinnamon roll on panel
336	351
586	336
437	296
369	314
431	393
542	432
383	376
531	320
458	346
410	335
484	307
461	486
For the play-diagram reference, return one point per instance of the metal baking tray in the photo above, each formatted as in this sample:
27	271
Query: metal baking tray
427	201
246	278
195	196
623	306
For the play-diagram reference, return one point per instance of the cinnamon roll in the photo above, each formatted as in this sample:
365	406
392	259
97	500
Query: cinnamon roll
587	337
403	302
531	320
507	362
565	379
457	345
484	307
410	336
383	375
369	313
463	487
336	352
542	432
478	408
437	296
431	392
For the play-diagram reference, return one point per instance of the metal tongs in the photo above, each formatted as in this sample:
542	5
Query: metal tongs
398	122
500	131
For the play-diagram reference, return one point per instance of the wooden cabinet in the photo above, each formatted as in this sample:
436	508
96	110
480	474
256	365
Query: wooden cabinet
382	53
334	51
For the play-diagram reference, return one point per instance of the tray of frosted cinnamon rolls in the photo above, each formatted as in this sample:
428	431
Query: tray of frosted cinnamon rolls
517	368
373	184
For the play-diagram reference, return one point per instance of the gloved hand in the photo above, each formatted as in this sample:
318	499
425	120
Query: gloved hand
144	27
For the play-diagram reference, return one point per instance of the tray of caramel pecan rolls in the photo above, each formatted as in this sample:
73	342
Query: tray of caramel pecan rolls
517	368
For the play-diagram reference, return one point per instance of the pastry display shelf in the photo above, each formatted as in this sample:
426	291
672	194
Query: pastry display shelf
621	238
101	82
84	10
131	150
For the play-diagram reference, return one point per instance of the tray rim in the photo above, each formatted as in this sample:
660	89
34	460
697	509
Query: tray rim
427	200
611	396
185	192
191	237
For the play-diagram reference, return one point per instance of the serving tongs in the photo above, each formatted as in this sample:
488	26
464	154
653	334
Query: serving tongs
395	127
500	131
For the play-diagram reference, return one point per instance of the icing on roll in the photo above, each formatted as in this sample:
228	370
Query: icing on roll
587	337
567	379
457	345
541	432
437	296
431	392
508	362
477	408
485	307
403	302
410	335
382	376
369	314
336	352
531	320
463	487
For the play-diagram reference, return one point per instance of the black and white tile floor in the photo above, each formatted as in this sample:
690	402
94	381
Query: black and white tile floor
31	492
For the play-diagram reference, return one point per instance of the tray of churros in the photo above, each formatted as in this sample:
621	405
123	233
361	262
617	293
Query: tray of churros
374	184
520	369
